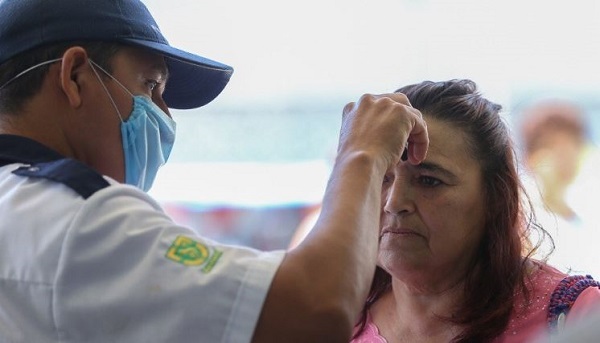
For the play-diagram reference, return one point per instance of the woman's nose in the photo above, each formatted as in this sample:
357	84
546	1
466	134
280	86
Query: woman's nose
398	198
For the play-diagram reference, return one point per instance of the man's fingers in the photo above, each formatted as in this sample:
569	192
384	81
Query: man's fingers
398	97
418	141
347	109
349	106
370	106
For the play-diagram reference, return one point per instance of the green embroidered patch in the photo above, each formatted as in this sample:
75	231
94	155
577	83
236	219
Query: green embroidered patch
188	252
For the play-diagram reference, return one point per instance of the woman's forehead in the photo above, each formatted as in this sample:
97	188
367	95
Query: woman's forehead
448	145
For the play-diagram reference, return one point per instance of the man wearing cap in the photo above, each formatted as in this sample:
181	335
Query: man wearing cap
87	256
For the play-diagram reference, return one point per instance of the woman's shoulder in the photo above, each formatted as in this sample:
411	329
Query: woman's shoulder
575	297
542	269
570	297
542	278
530	313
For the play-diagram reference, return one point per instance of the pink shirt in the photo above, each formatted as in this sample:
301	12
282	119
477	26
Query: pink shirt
529	319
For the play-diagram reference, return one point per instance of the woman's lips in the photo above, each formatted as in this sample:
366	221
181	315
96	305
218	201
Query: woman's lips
400	231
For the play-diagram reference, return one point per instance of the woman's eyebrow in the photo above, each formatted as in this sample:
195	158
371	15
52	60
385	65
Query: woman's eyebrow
435	168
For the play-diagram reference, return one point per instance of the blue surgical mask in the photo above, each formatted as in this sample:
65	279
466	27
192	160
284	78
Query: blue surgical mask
147	135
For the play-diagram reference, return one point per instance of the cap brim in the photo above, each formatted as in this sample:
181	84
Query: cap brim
194	81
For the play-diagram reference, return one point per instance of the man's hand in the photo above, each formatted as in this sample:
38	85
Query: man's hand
383	125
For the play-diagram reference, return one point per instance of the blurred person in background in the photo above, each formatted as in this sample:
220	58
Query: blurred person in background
455	260
562	164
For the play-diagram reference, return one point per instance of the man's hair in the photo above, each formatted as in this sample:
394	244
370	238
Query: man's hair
15	94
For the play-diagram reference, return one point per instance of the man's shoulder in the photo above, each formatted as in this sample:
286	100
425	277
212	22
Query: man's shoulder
77	176
33	159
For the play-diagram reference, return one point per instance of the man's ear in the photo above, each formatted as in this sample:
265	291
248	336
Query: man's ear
72	73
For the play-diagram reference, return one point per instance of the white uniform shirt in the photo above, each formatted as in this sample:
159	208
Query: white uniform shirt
111	266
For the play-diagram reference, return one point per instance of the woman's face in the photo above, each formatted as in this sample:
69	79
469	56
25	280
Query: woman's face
432	217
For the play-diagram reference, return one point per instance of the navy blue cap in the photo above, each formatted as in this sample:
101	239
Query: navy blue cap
194	80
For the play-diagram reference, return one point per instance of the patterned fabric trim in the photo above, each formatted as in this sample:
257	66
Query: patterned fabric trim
564	297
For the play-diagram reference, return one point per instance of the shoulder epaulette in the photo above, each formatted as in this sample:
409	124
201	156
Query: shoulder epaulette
72	173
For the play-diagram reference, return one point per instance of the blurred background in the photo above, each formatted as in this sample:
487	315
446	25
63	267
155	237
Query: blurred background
248	167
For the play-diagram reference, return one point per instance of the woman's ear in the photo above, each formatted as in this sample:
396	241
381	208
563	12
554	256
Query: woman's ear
74	63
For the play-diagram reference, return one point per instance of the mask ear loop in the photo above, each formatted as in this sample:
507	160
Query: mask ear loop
94	65
28	70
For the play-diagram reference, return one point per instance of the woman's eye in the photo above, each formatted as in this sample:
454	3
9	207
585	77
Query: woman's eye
429	181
